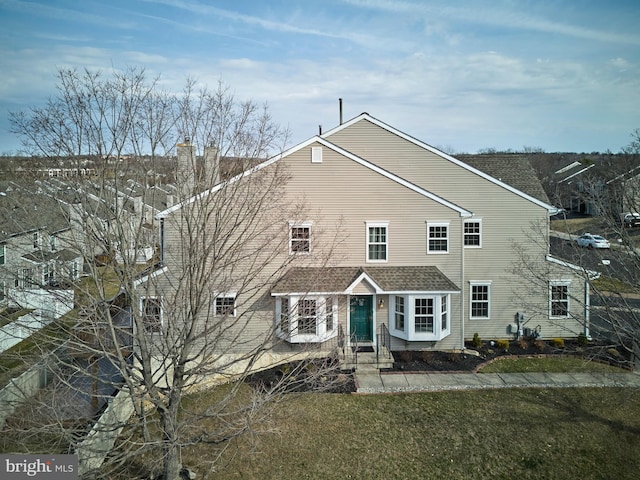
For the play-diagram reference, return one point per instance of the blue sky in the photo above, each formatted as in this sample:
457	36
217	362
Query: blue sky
460	75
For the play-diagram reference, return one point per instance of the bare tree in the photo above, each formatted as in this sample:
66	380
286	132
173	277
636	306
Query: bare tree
179	263
612	303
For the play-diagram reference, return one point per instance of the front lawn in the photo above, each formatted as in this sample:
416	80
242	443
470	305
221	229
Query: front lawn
497	434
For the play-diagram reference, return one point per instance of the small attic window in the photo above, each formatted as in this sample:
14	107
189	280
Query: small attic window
316	154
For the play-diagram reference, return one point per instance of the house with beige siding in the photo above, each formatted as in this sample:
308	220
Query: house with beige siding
423	251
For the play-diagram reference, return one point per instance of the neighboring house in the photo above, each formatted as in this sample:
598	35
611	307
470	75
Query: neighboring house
425	255
34	244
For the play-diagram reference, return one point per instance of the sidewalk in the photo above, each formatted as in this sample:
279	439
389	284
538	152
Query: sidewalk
398	382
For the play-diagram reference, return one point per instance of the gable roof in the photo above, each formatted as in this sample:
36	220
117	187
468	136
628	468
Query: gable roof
365	116
322	141
512	169
341	280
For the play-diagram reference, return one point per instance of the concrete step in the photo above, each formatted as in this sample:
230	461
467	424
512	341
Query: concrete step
367	362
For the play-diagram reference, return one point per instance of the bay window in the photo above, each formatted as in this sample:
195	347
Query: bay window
301	319
417	317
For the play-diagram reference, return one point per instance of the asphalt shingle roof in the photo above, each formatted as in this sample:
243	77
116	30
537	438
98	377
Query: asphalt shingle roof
338	279
513	169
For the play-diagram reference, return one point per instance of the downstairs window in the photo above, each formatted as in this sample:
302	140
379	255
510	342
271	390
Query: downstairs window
306	319
420	317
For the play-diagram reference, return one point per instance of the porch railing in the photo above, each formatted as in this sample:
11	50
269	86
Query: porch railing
383	343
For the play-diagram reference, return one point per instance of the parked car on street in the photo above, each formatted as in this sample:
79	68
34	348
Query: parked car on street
631	219
589	240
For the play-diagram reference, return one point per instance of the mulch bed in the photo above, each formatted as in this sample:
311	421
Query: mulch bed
321	375
432	361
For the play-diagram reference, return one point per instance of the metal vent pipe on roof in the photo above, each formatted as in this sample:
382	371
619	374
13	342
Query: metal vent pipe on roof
340	103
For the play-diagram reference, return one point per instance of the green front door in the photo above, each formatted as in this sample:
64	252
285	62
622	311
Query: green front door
361	318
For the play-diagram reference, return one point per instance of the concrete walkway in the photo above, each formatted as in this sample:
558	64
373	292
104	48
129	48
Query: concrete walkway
398	382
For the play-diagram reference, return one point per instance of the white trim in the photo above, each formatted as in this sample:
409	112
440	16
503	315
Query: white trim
322	141
480	283
143	313
591	274
217	295
326	306
153	274
448	237
464	235
375	121
316	154
409	333
357	281
293	225
560	283
377	224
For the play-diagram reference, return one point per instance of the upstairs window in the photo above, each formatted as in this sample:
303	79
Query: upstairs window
377	242
559	299
3	253
472	234
53	243
437	238
299	238
36	239
151	314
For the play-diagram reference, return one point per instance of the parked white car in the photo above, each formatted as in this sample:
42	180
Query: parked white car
589	240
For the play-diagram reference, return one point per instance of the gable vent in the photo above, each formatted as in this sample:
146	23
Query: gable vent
316	154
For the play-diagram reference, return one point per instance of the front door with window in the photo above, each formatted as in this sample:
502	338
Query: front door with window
361	317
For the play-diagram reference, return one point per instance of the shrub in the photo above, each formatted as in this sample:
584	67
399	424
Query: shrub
477	341
540	345
583	341
502	344
524	345
557	342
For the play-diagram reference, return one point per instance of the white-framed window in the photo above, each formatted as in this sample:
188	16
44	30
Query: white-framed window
36	239
399	313
301	319
420	317
377	241
225	305
437	237
27	278
151	310
48	274
3	254
473	233
299	238
424	315
480	300
444	313
559	298
53	243
282	314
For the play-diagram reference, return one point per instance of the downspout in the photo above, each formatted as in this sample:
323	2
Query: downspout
587	307
462	283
